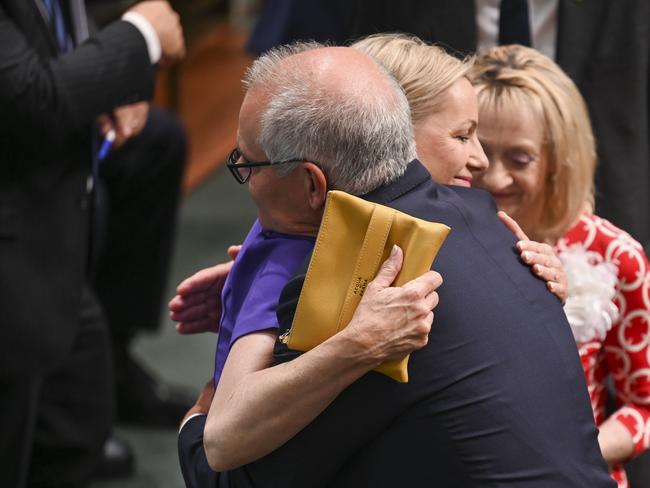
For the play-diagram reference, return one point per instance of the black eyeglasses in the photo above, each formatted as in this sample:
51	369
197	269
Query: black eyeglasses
242	171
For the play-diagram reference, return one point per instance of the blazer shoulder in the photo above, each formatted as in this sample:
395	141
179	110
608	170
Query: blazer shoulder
475	198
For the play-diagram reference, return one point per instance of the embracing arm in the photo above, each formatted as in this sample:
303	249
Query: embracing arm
197	304
616	441
257	408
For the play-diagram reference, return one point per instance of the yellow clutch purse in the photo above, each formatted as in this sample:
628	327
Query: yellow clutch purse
355	238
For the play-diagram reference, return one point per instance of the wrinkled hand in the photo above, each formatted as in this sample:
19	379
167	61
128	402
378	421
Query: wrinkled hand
166	22
203	401
541	258
391	322
127	120
197	305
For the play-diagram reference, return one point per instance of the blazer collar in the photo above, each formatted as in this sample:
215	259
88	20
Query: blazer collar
414	176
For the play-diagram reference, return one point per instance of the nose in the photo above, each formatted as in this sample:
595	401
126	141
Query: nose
478	161
495	177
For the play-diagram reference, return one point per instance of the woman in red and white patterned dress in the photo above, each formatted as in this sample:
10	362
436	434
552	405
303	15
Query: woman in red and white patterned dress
537	136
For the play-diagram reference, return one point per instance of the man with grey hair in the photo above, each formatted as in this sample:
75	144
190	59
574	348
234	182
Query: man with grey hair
288	113
476	409
363	141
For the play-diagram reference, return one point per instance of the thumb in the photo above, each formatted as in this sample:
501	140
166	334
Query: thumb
388	271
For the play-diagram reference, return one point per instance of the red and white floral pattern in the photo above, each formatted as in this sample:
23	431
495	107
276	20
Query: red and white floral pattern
624	355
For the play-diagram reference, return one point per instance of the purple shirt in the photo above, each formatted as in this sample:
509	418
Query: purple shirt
265	263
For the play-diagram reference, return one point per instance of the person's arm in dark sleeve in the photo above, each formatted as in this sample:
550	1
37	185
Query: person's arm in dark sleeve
191	455
56	97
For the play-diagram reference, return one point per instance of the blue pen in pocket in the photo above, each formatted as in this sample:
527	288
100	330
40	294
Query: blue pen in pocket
107	143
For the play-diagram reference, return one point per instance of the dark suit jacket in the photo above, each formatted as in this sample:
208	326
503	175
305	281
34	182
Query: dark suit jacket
48	103
604	46
496	397
191	455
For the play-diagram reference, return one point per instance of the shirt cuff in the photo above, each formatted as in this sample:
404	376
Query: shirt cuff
188	419
148	32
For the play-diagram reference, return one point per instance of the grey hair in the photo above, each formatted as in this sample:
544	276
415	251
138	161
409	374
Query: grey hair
361	141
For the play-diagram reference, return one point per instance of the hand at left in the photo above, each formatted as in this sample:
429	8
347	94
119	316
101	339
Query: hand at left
127	120
197	304
130	119
541	258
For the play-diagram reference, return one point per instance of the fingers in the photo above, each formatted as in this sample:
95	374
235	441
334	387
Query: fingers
428	323
534	246
547	266
431	300
546	273
204	279
131	119
512	225
424	285
181	302
166	22
233	251
205	309
124	126
420	333
532	258
197	306
560	290
389	269
197	327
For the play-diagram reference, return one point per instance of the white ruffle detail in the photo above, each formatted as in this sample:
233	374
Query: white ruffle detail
592	286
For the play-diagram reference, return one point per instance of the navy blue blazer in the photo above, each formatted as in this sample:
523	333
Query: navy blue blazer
497	397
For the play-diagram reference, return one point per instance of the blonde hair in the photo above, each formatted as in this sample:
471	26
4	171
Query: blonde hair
518	76
425	72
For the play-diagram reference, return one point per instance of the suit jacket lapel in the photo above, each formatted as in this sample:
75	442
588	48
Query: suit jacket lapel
578	27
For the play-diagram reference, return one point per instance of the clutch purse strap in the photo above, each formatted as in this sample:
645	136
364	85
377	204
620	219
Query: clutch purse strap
368	260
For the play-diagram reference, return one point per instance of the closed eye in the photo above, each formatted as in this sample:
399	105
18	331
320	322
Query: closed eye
521	158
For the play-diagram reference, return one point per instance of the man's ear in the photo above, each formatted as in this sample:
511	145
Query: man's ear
316	185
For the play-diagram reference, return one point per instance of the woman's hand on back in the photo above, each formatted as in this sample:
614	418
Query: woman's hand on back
541	258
